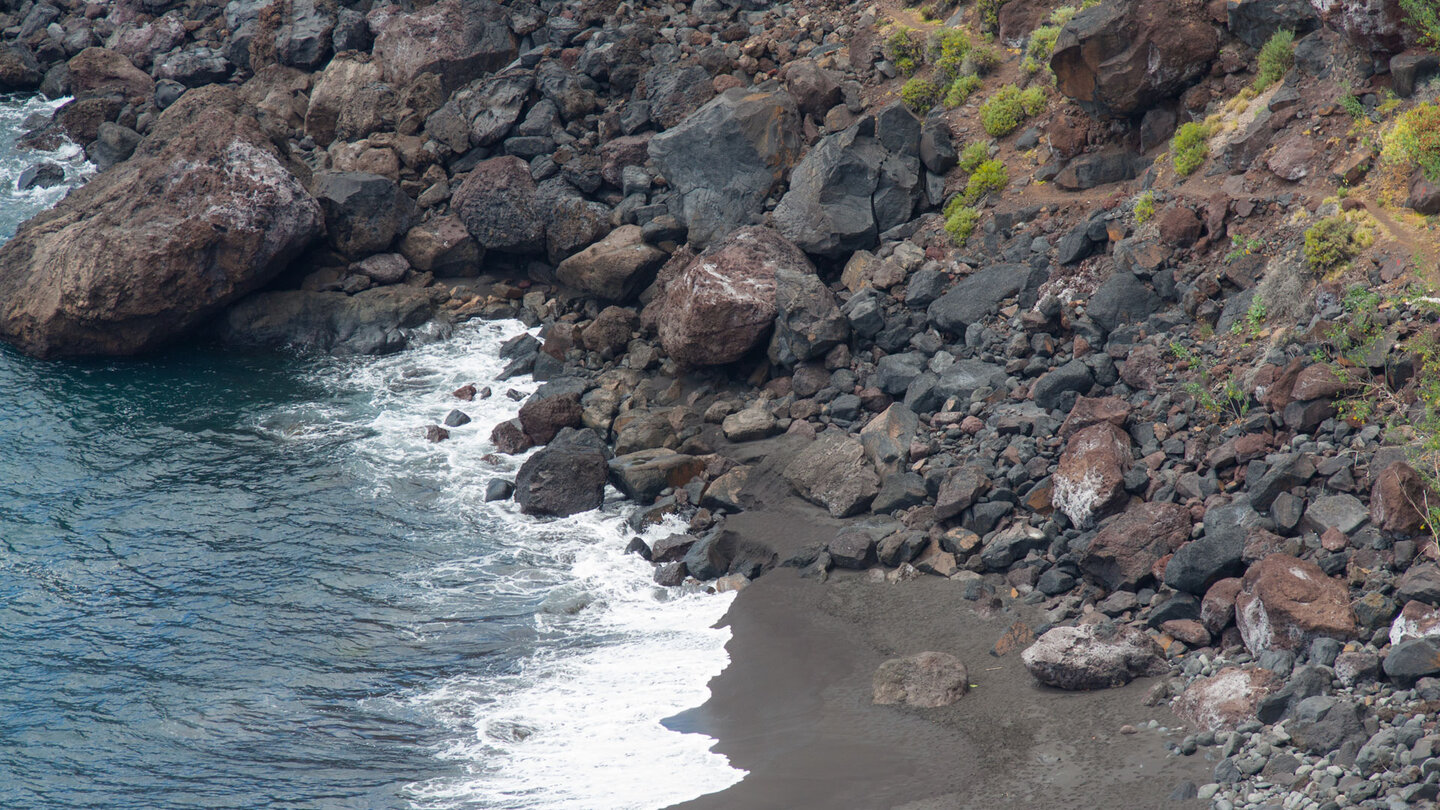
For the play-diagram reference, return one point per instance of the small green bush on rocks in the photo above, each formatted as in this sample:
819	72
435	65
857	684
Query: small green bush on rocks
1276	57
1189	147
920	94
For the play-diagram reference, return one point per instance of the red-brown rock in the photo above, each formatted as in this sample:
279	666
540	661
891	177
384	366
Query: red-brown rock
1286	602
543	418
1091	474
1399	499
1317	381
1179	226
722	305
1123	555
1092	411
1124	56
1226	699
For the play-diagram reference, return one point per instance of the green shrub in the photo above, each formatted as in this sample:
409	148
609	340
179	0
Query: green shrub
1188	149
988	176
1337	239
1042	42
1144	208
1062	15
1032	100
981	60
1003	111
1414	141
906	49
960	221
920	94
948	48
989	14
961	90
973	155
1276	57
1423	16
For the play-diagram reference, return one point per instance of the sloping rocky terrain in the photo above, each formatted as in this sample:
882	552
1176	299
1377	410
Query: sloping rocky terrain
1118	309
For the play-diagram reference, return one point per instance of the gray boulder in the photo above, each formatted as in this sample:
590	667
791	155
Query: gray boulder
364	213
726	157
565	477
980	295
854	185
808	322
834	473
482	112
1090	657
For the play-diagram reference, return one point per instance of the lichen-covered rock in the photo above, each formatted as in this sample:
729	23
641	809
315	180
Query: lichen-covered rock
1285	603
1089	657
454	39
1091	473
204	212
1226	699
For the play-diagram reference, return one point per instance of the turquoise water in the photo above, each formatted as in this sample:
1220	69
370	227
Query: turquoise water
246	580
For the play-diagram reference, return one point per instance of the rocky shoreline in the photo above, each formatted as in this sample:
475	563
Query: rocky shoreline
1113	318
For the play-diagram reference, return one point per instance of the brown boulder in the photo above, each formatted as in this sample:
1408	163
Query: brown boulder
499	204
1285	603
1089	411
204	212
97	71
1217	607
1399	500
1142	368
834	473
616	268
1124	554
456	41
722	305
1317	381
1226	699
1179	226
928	680
543	418
1293	158
1125	56
814	88
441	245
349	100
1091	474
610	332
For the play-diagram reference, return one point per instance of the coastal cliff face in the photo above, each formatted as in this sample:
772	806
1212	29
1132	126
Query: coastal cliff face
1117	308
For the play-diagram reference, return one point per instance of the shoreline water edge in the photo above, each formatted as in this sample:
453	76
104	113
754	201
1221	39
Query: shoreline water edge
1001	403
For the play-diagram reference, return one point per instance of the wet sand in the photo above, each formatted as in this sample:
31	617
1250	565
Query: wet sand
794	706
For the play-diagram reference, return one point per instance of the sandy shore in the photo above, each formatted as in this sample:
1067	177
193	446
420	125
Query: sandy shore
794	706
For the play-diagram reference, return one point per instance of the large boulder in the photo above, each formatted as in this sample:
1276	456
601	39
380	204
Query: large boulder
1218	554
1090	657
727	156
855	185
18	68
1378	26
500	206
97	71
1226	699
380	320
616	268
1125	56
834	473
808	321
722	304
563	478
980	293
204	212
453	39
928	680
1285	603
364	213
349	100
482	112
1255	21
1125	552
1091	474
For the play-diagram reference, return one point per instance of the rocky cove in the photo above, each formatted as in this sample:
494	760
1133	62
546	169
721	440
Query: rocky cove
995	352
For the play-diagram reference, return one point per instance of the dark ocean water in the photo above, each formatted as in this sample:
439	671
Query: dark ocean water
247	581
